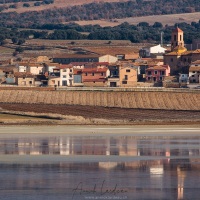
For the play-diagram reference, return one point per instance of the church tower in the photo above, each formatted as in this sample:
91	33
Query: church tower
177	39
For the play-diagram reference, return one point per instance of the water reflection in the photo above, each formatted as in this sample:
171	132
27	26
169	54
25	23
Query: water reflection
122	146
172	172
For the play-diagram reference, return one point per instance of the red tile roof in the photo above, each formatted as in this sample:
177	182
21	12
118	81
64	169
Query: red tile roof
94	70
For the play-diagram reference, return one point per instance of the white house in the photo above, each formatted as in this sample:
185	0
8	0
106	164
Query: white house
147	51
34	68
66	75
194	72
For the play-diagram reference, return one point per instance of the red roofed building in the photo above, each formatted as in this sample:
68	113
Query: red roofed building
157	73
94	76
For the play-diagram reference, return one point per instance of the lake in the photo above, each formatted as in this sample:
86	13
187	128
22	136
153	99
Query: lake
90	162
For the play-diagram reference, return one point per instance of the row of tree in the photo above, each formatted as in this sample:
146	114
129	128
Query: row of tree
143	32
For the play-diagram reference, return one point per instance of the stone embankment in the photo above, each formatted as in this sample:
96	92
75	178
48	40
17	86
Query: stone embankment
133	99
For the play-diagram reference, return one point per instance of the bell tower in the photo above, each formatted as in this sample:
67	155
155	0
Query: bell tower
177	38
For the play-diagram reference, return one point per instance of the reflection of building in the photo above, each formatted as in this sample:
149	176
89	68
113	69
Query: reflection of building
181	177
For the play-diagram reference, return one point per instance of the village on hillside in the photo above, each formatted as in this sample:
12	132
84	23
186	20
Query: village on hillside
152	66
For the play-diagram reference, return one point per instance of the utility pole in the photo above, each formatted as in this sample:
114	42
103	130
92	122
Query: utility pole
161	38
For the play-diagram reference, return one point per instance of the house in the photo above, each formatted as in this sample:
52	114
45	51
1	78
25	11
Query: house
148	50
95	76
66	75
48	67
54	78
143	63
77	81
128	74
24	79
122	53
194	72
7	74
33	68
69	58
113	76
157	73
183	78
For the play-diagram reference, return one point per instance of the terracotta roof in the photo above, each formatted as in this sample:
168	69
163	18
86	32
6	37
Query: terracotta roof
158	67
24	74
77	56
196	51
94	70
77	71
64	66
112	50
177	30
173	54
194	68
186	52
196	62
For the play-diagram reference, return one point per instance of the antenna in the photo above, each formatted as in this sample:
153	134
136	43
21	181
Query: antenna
161	38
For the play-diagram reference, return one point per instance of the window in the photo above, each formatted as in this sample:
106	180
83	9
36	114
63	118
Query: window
124	82
23	77
193	72
149	72
64	76
149	78
70	70
101	73
172	59
161	78
155	72
126	77
86	73
192	75
70	76
64	70
92	74
162	72
174	37
30	82
128	70
180	37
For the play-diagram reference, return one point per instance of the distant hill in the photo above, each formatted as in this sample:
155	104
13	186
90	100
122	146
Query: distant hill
95	11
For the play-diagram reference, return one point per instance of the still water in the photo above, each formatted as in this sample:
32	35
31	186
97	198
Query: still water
127	165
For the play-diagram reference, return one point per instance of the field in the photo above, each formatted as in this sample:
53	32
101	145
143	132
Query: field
135	99
164	19
95	114
56	4
98	107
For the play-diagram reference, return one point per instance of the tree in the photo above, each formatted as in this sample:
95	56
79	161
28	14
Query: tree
157	25
26	5
19	49
21	41
14	40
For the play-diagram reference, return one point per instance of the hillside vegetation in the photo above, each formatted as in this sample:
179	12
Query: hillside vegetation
102	10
